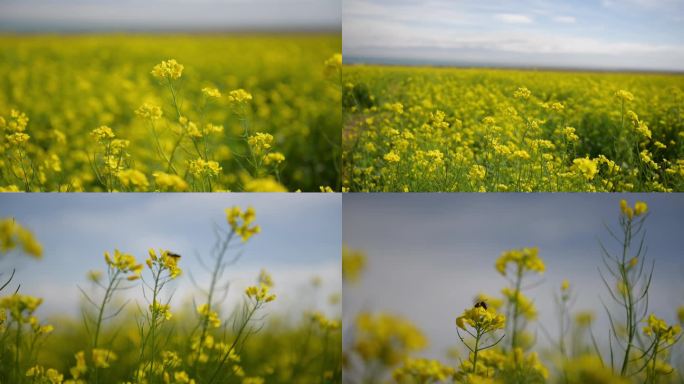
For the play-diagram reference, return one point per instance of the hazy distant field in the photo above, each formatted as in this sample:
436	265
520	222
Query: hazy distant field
439	129
67	86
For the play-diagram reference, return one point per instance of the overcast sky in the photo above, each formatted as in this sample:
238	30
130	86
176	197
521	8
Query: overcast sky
430	254
83	15
606	34
300	239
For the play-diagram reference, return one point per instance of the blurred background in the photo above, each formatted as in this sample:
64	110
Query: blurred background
429	255
146	15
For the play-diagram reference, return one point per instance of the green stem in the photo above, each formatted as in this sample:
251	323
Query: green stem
232	346
210	295
100	315
631	326
17	368
477	343
516	300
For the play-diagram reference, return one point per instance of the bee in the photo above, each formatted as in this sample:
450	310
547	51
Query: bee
174	255
482	304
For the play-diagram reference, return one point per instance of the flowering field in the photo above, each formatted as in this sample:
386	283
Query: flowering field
170	112
433	129
117	339
500	336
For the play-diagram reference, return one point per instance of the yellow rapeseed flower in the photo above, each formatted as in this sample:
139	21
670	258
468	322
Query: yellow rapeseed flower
168	69
526	259
239	96
260	293
483	320
102	357
264	184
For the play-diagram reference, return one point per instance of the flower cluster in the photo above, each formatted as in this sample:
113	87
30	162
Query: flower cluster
324	322
211	92
168	69
640	209
333	64
201	168
260	294
39	374
102	134
149	111
423	371
164	261
658	329
525	305
386	338
260	142
241	222
481	319
239	96
211	317
13	234
166	182
21	307
124	263
102	357
160	310
525	259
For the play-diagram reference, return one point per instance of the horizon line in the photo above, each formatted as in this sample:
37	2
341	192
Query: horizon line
454	64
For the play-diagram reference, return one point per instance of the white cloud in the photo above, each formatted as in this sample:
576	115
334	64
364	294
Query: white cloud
513	18
565	19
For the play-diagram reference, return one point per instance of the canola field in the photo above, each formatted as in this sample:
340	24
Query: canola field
170	112
487	130
501	337
117	339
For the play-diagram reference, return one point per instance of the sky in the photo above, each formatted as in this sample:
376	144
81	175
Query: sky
300	239
86	15
429	255
591	34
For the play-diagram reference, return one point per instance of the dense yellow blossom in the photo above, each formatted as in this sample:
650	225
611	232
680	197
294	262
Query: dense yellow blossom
239	96
423	371
485	320
149	111
211	92
168	69
83	126
509	131
260	142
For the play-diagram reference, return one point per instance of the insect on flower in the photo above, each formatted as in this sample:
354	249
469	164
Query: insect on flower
481	303
174	255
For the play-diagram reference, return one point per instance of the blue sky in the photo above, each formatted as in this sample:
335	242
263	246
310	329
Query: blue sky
430	254
603	34
300	239
79	15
